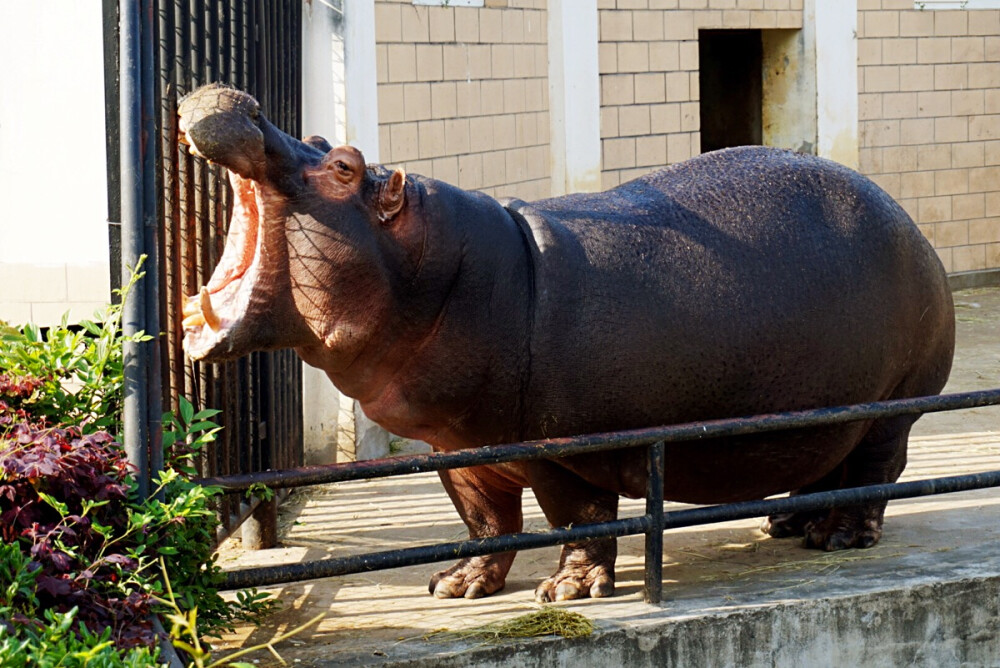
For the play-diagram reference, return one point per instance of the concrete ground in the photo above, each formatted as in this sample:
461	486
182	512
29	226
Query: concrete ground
728	579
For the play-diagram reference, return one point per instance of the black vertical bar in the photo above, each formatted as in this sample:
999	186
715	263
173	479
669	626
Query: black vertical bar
226	46
653	590
135	354
112	116
151	294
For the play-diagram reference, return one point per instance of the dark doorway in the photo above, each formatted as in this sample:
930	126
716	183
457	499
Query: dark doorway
731	88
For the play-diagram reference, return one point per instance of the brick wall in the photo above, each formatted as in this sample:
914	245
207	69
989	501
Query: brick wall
463	94
649	75
930	122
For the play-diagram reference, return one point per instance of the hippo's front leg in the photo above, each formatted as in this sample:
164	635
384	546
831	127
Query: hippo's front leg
586	568
490	505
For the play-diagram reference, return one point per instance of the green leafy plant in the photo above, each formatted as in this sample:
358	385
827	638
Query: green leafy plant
78	370
186	435
78	548
259	490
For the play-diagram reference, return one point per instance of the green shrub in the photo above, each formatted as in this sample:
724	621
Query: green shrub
78	371
80	554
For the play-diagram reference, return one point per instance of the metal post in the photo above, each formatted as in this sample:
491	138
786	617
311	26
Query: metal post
653	590
260	530
151	289
135	406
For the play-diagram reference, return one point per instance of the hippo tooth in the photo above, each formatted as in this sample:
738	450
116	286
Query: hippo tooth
190	306
194	320
211	319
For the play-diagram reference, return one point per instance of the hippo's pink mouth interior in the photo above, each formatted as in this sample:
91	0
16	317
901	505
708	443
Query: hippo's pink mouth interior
221	304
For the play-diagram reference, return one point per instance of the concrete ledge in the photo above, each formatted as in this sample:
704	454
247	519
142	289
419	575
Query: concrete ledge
930	623
987	278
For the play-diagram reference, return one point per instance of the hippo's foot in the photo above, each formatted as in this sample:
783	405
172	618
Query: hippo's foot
474	577
584	570
785	525
843	529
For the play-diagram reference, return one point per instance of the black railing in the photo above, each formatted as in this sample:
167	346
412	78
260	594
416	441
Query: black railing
652	523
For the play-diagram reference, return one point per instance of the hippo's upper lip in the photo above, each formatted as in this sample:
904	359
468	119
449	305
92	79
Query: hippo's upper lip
211	315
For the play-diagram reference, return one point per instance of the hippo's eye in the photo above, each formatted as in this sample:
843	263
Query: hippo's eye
342	166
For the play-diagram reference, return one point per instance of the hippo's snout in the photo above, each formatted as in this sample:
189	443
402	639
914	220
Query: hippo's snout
222	124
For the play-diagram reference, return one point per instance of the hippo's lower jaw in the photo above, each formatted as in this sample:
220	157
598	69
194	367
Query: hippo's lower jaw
212	316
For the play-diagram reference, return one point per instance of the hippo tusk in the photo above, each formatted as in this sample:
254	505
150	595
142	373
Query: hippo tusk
194	320
211	318
190	306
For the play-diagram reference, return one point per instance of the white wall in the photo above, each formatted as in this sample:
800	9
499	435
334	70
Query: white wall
53	184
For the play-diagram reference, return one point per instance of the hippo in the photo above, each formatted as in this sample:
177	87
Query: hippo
745	281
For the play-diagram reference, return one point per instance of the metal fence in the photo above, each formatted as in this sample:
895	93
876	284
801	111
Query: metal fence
254	45
653	523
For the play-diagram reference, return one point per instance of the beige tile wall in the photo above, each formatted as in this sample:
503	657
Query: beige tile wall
649	75
43	293
929	84
463	94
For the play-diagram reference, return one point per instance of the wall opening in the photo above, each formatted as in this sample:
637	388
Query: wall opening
731	85
757	87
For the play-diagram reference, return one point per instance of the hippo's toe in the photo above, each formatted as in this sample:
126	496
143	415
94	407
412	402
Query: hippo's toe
842	530
785	525
572	583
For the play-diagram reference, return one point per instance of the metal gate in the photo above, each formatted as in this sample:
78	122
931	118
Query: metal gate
254	45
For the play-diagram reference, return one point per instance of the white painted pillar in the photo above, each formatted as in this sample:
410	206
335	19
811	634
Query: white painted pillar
574	96
340	103
323	110
832	26
323	113
360	77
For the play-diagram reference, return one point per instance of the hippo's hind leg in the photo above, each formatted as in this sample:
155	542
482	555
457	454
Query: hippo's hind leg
490	505
879	458
586	568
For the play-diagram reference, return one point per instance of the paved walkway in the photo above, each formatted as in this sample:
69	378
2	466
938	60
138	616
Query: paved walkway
386	615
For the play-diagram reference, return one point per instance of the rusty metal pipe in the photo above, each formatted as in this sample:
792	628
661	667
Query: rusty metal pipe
321	568
653	587
561	447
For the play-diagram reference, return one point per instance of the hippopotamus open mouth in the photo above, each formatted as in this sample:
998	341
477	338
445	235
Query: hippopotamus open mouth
207	324
225	126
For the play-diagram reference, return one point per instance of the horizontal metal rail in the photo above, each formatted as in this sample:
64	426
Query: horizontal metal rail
562	447
373	561
653	523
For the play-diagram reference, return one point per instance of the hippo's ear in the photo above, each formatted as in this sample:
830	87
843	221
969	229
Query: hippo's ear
392	195
319	143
